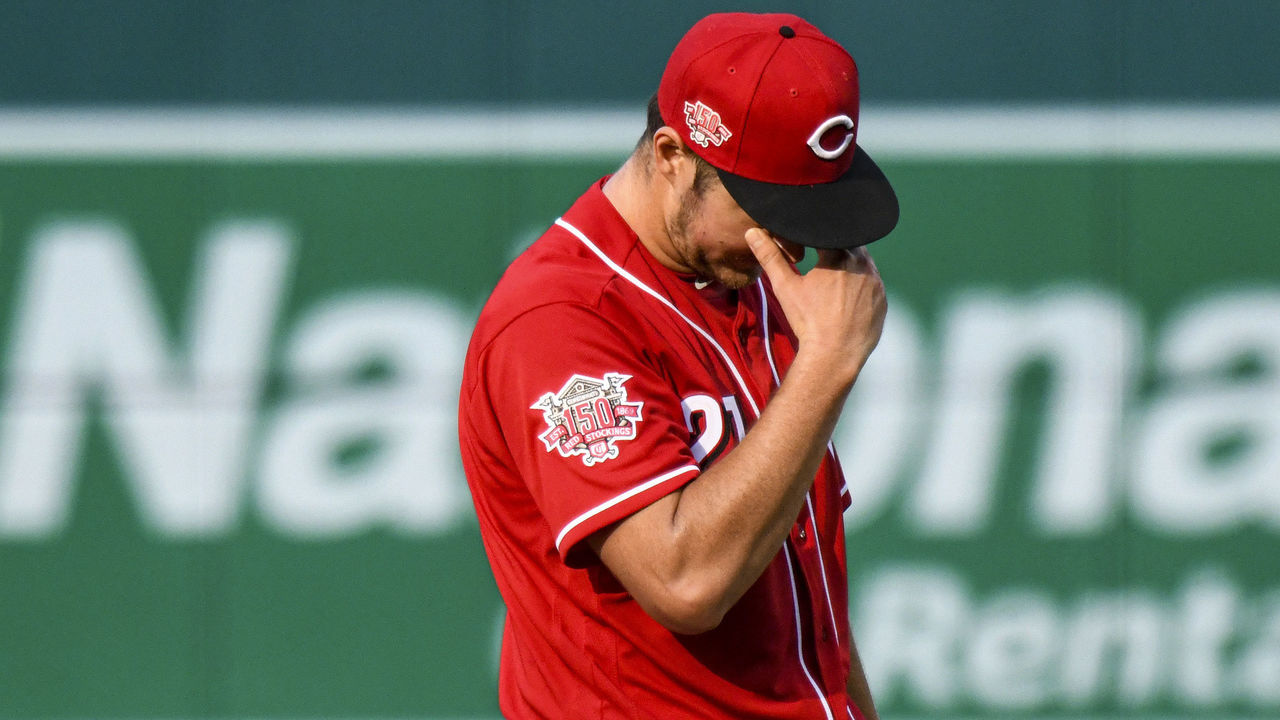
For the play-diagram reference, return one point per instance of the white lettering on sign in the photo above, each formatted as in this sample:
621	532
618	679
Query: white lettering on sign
881	426
408	478
1090	340
928	638
183	406
88	324
182	416
1177	484
931	442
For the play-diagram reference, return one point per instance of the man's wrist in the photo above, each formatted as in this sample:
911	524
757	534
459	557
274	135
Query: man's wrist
832	366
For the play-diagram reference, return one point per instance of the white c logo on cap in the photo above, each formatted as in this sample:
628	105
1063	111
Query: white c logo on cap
815	140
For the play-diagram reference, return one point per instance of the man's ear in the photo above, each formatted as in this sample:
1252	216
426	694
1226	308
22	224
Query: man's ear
670	158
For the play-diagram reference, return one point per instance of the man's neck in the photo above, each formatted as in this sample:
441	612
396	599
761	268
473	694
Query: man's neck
637	200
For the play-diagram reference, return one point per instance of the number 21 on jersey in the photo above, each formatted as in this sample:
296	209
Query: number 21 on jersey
707	420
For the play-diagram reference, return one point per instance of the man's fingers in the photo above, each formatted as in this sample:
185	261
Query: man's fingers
852	259
828	258
862	257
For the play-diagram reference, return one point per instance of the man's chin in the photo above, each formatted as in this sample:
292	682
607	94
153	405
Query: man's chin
737	279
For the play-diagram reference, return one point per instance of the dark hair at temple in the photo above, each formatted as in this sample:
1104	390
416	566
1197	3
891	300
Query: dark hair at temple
704	173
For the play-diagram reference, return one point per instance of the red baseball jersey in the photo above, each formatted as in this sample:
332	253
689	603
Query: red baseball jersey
596	382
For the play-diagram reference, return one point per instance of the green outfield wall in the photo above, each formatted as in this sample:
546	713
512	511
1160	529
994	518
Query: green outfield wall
498	52
242	244
229	485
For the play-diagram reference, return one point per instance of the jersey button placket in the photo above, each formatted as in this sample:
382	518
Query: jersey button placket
757	366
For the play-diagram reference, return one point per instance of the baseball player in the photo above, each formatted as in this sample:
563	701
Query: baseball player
650	392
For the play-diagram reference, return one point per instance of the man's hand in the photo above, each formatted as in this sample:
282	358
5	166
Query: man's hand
836	309
688	557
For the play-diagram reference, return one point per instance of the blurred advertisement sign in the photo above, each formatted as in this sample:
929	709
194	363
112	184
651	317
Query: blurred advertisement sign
229	364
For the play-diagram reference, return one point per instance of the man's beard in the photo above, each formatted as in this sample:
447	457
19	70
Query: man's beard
695	257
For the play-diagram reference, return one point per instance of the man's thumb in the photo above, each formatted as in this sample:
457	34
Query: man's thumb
769	255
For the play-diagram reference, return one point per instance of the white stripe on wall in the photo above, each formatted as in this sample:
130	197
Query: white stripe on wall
933	132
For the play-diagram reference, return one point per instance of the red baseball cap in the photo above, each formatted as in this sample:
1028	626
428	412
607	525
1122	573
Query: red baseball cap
772	104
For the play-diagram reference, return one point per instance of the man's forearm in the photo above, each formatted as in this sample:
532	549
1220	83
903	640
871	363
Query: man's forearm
690	556
733	520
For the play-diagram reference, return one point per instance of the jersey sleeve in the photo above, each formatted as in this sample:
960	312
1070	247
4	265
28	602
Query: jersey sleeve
590	417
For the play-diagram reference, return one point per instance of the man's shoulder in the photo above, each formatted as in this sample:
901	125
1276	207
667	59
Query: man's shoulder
560	266
553	270
556	277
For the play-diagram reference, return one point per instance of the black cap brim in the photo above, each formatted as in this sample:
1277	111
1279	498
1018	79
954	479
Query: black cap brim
856	209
